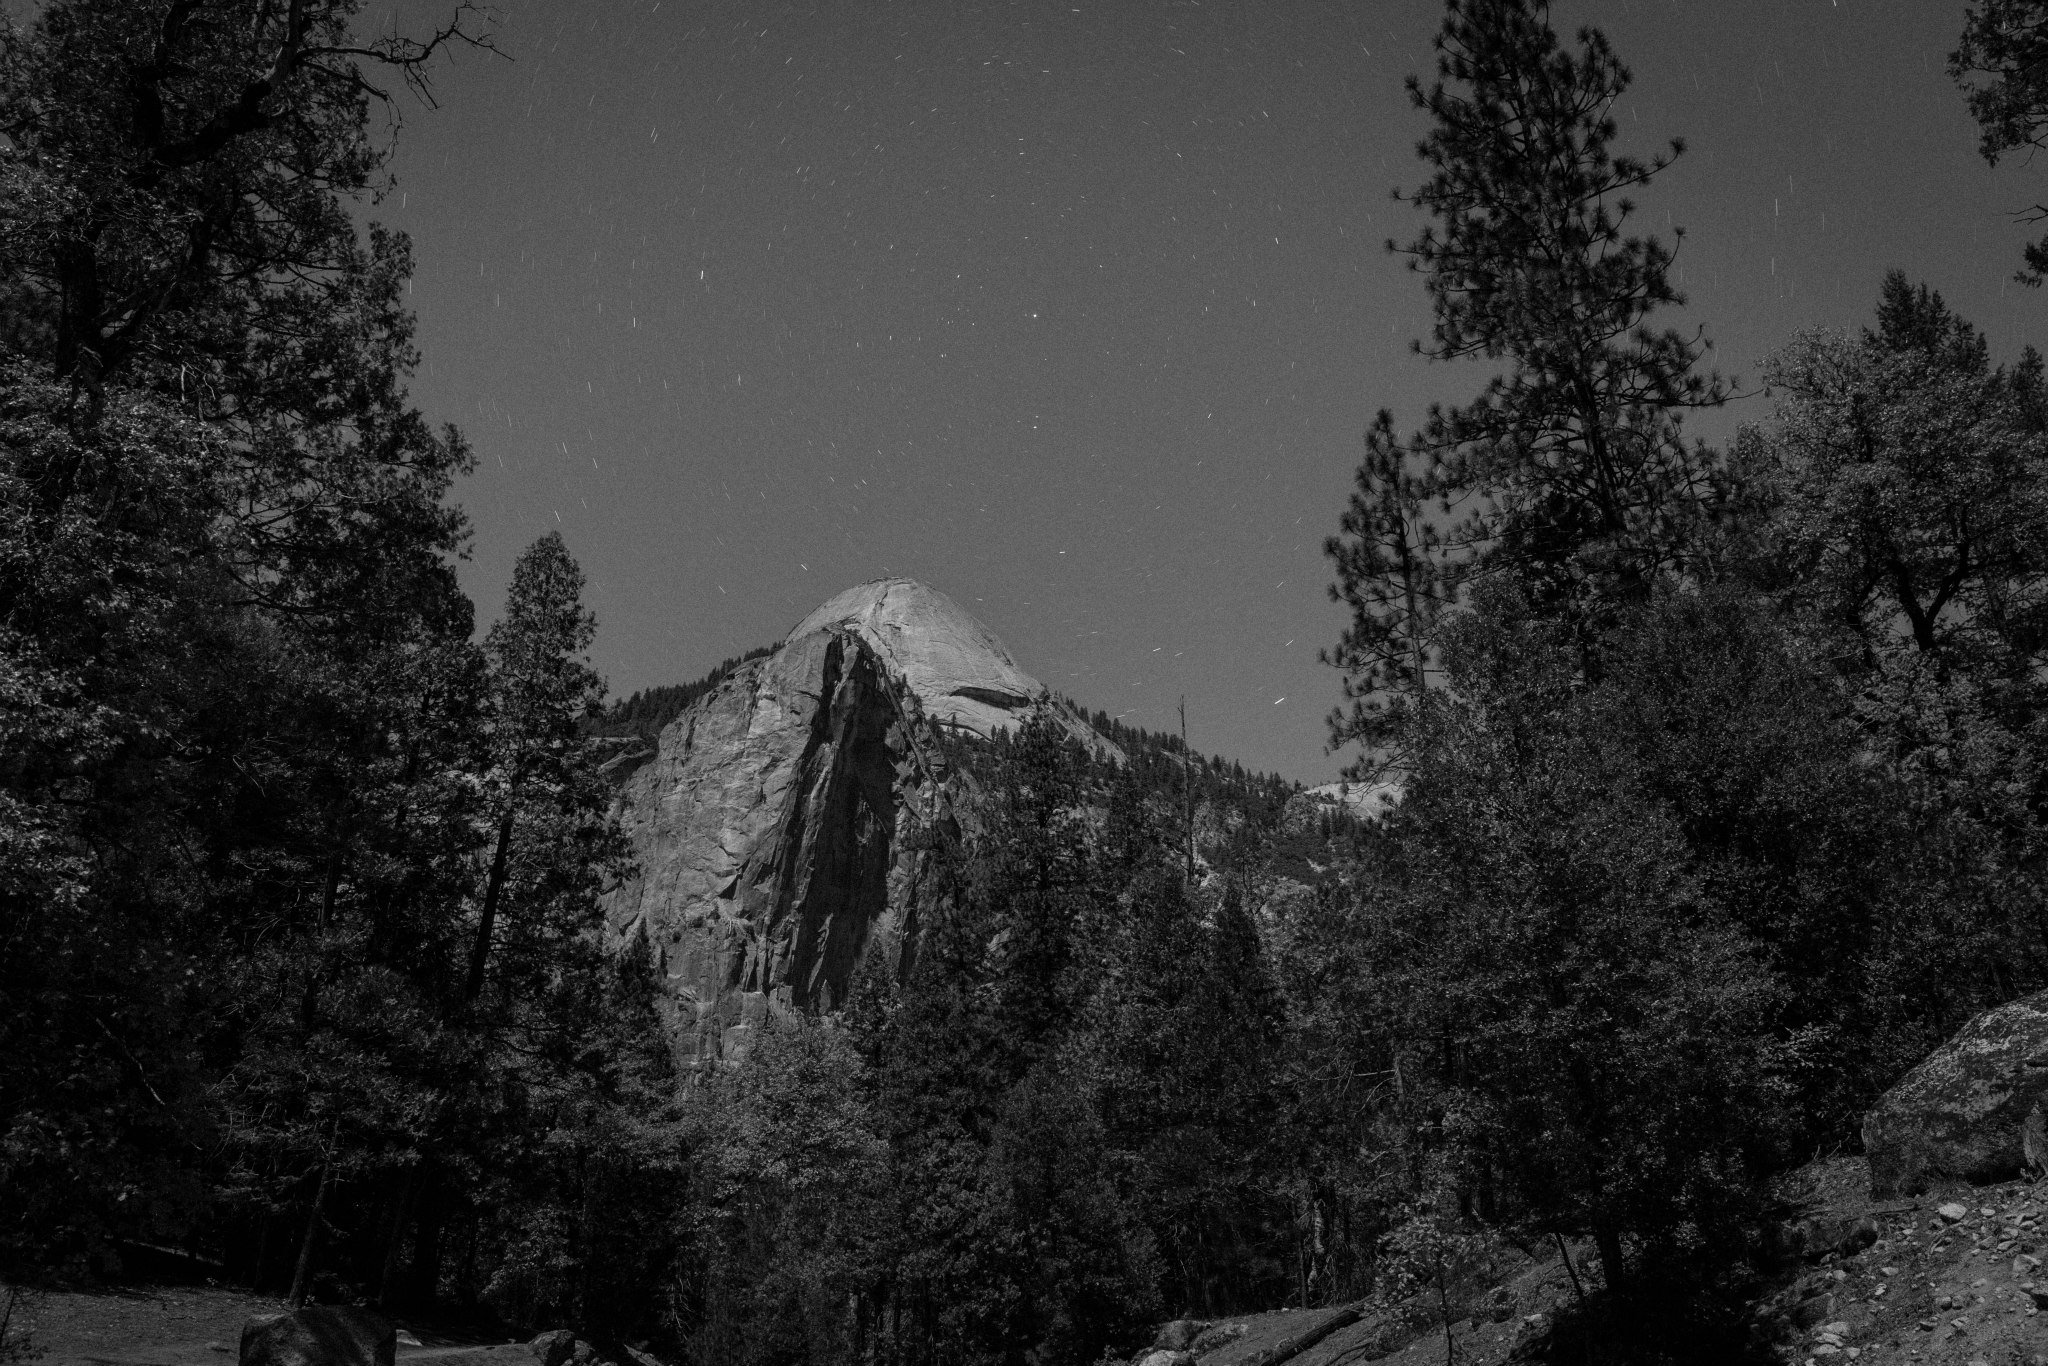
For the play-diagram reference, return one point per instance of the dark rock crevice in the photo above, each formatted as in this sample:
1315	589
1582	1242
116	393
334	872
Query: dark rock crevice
831	877
1008	701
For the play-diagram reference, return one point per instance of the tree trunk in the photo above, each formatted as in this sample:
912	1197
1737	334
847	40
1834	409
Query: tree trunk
261	1276
466	1286
397	1239
423	1277
309	996
480	951
1415	647
1612	1270
1570	1269
297	1298
78	312
1187	780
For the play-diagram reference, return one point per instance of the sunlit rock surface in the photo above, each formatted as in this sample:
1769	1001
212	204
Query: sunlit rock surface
961	674
779	827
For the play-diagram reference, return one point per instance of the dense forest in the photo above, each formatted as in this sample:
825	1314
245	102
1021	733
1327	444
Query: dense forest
1723	792
298	965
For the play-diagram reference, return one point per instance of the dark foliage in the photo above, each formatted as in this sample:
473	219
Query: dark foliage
2002	65
298	924
1071	1116
1721	774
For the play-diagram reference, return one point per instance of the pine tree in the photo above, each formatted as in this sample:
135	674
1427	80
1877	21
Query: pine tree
239	667
1568	474
176	181
543	689
1014	1237
1589	1044
1392	576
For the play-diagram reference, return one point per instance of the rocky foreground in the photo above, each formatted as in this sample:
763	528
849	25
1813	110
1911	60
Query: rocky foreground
1929	1248
1951	1279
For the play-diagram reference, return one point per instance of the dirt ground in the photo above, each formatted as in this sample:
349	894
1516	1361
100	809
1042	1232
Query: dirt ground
1961	1288
202	1326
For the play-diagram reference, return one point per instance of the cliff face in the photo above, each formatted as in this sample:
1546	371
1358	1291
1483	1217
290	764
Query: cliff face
779	825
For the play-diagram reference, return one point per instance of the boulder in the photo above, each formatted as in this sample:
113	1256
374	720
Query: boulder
1816	1236
561	1347
1179	1335
1530	1333
1963	1113
1180	1358
1216	1335
320	1335
554	1347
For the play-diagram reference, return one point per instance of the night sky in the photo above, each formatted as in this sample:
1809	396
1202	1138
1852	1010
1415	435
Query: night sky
1075	312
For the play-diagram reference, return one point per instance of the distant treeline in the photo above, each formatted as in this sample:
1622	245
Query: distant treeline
647	711
1138	742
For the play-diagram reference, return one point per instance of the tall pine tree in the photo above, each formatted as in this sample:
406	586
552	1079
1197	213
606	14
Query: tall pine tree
1568	474
542	690
237	661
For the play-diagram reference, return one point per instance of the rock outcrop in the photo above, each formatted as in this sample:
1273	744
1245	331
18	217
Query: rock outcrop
1968	1111
780	825
1367	801
319	1335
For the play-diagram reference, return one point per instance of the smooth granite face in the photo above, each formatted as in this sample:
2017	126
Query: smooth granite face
771	832
960	673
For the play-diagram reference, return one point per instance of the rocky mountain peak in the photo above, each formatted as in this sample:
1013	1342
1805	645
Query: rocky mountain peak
961	675
778	825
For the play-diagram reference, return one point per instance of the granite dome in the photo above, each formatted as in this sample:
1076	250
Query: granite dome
959	671
779	826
